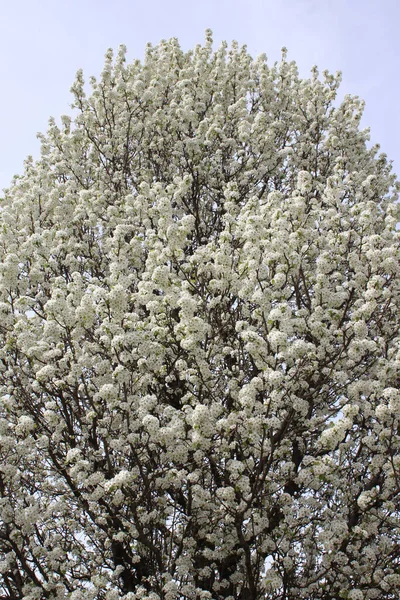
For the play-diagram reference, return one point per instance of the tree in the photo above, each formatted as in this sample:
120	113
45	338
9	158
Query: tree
200	360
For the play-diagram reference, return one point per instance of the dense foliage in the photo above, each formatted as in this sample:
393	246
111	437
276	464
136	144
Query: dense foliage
199	341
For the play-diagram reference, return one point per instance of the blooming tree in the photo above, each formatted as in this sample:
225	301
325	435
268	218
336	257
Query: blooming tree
199	341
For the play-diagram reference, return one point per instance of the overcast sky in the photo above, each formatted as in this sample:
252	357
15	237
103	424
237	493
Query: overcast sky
44	42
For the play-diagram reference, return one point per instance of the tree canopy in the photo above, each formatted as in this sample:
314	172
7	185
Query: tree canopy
199	341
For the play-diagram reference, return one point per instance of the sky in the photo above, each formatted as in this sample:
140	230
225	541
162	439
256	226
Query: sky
44	42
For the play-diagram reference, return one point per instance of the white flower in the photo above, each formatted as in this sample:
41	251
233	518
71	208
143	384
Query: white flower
304	181
108	391
279	279
381	411
356	595
25	425
365	499
122	478
46	373
72	454
151	423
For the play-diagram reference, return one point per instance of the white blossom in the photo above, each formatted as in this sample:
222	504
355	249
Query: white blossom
356	595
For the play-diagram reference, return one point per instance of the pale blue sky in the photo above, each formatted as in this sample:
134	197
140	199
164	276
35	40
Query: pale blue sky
44	42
